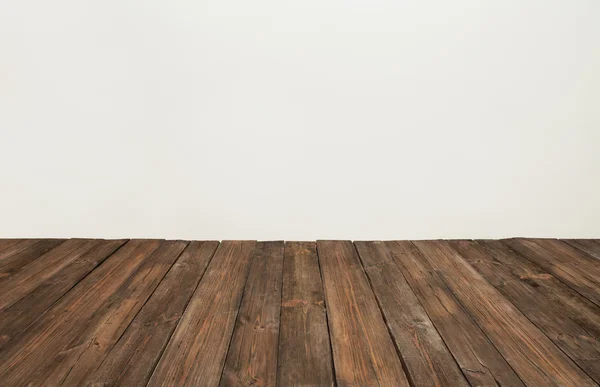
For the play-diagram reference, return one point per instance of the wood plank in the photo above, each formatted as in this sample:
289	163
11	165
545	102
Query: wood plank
426	358
195	355
569	320
134	356
19	284
304	348
363	351
39	354
22	313
119	314
252	355
6	243
8	247
576	269
477	357
590	246
77	317
20	255
531	354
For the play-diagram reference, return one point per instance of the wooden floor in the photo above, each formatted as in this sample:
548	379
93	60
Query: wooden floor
403	313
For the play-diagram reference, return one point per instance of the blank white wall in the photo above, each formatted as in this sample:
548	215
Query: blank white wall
278	119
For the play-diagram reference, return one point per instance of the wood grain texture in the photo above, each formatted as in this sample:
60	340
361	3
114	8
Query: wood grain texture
41	353
426	358
23	312
531	354
134	356
150	312
477	357
304	349
9	247
569	320
9	243
589	246
196	352
39	270
20	255
363	351
575	268
119	312
252	356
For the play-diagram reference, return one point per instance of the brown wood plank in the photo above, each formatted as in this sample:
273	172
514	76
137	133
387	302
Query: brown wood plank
9	247
94	312
575	268
195	355
20	255
426	358
6	243
532	355
590	246
23	312
363	351
134	356
478	358
119	312
252	356
304	348
19	284
41	354
569	320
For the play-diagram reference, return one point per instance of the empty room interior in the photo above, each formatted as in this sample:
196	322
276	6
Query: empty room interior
299	193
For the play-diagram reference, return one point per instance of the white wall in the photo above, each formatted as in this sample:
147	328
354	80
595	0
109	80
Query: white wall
278	119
